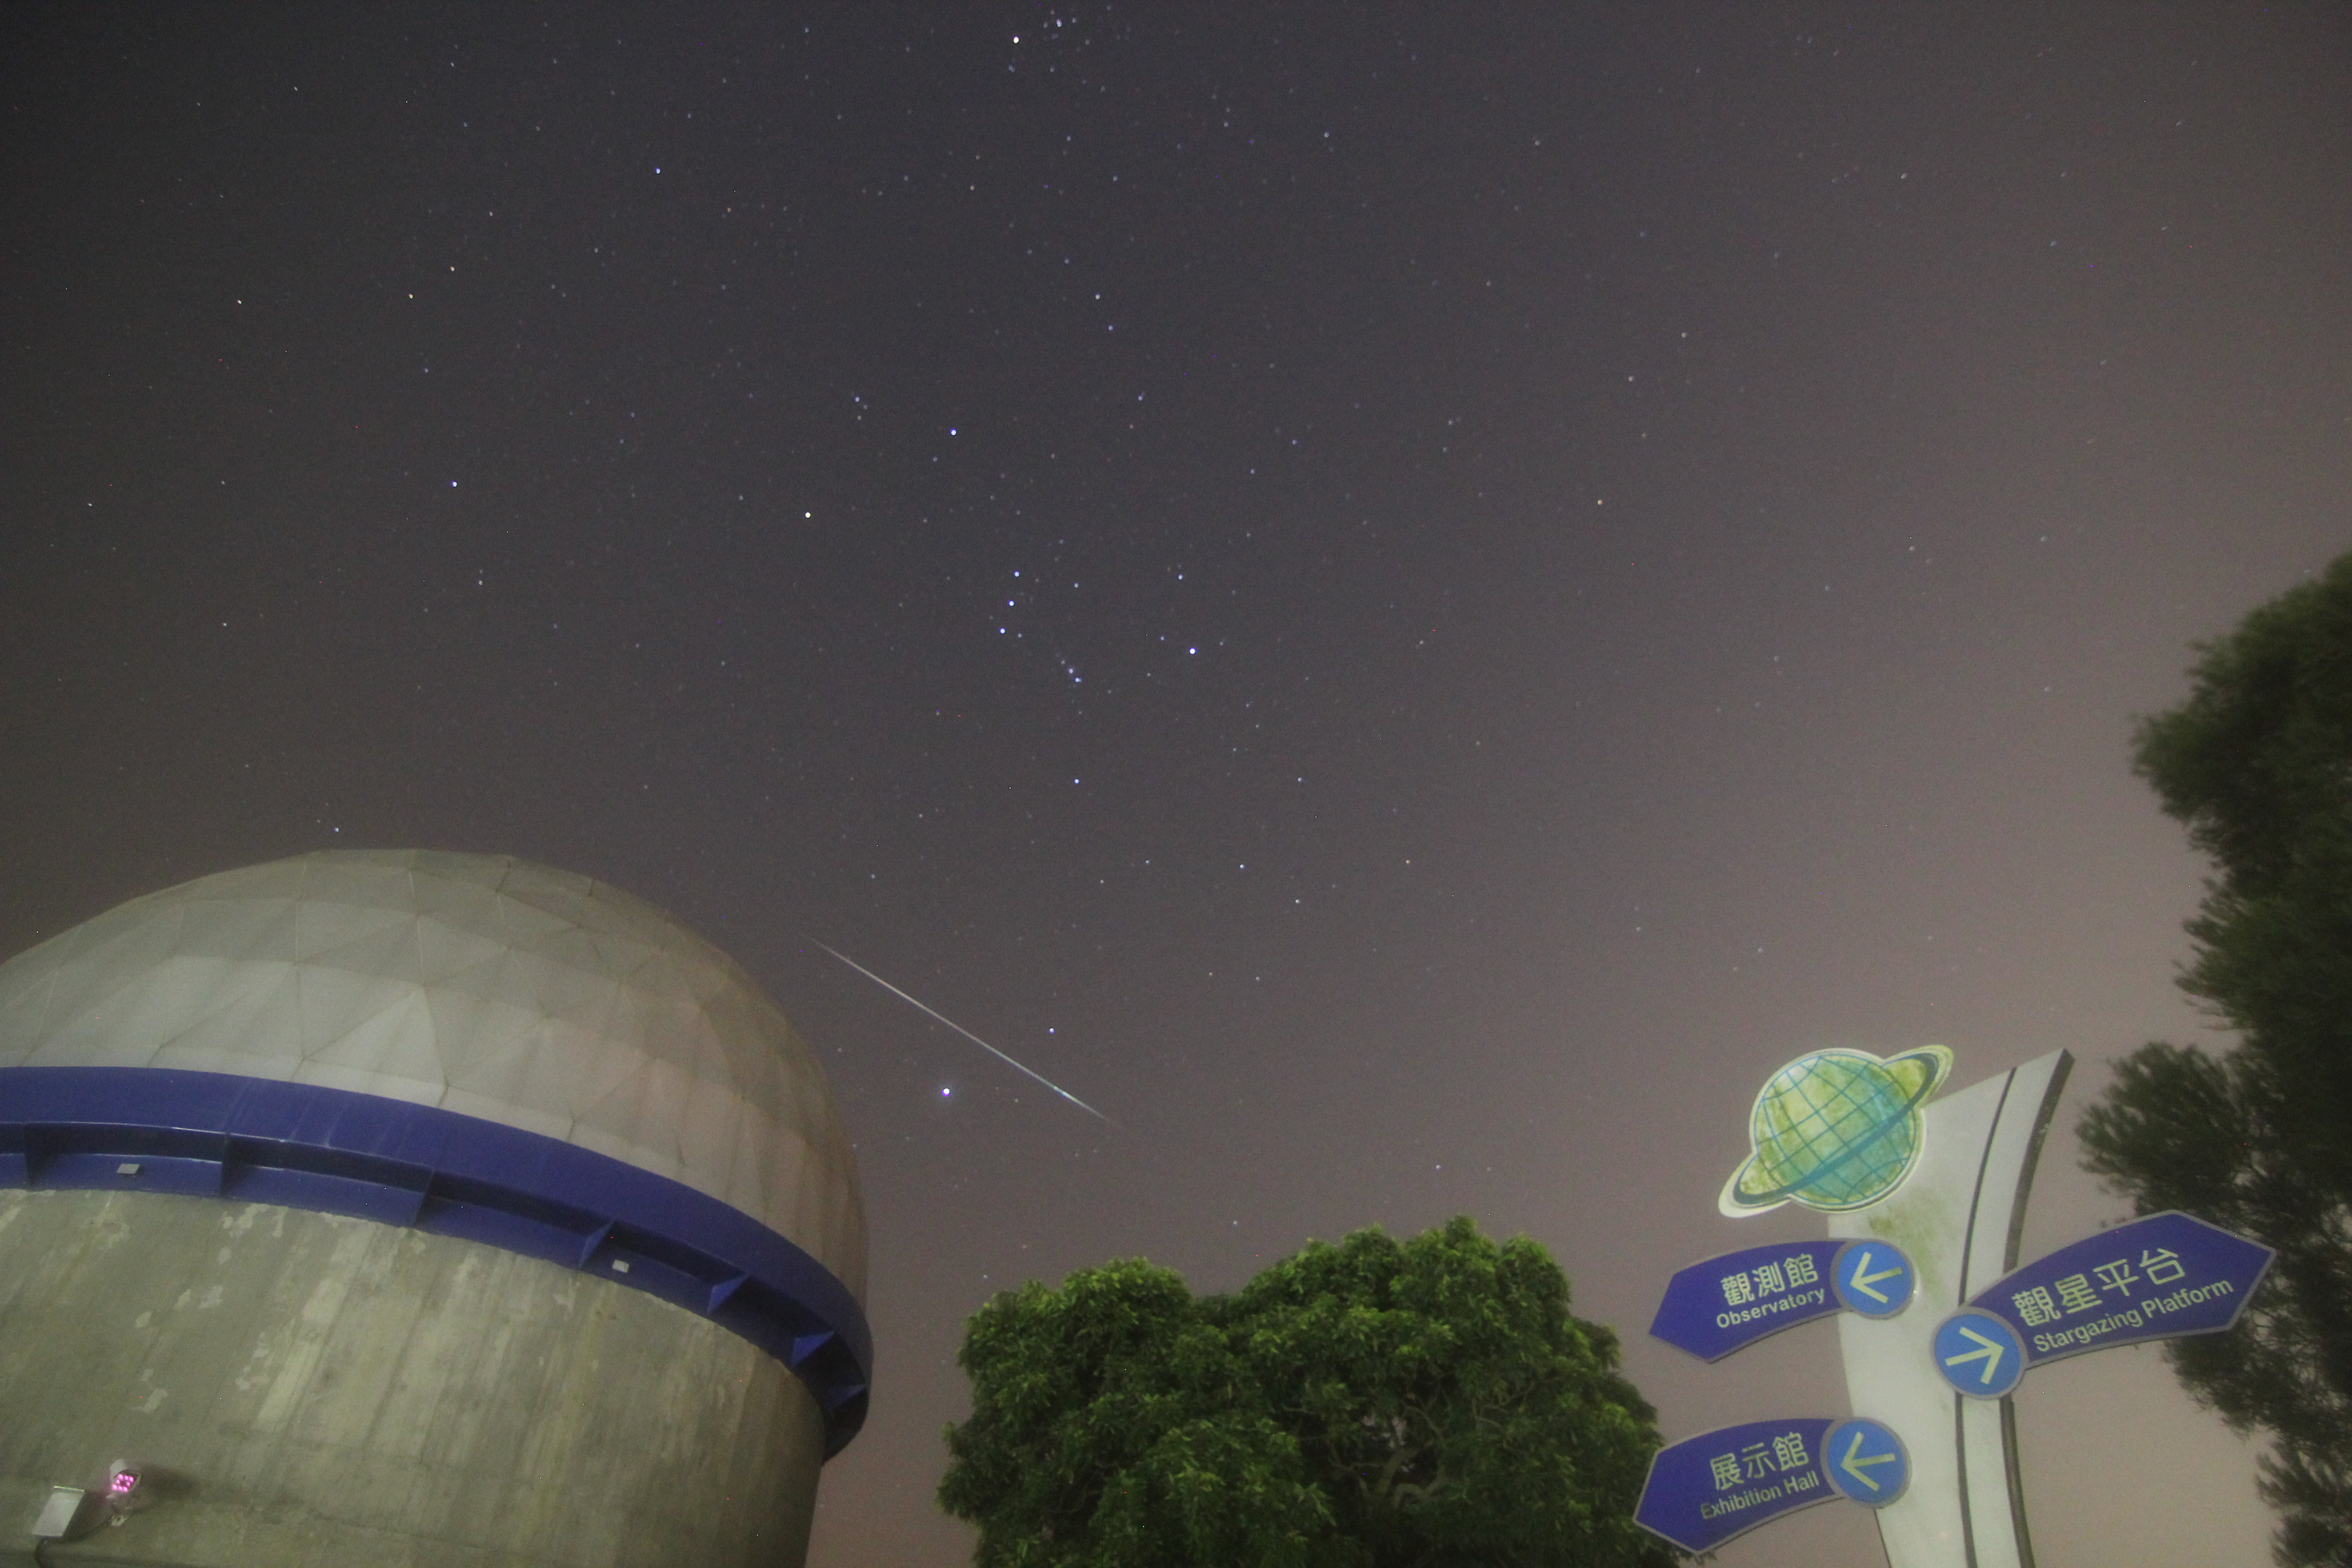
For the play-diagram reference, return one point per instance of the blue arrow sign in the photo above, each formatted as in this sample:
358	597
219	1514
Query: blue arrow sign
2156	1279
1705	1490
1980	1355
1727	1303
1866	1462
1873	1278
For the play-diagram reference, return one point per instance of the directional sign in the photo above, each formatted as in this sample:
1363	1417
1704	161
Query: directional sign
1705	1490
1978	1353
1866	1462
2156	1279
1873	1278
1726	1303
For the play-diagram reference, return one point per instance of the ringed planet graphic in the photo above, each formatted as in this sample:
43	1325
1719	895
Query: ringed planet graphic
1835	1130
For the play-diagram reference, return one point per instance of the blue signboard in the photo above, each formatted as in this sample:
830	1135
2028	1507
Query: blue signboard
1873	1278
1978	1353
1705	1490
1726	1303
1866	1462
2154	1278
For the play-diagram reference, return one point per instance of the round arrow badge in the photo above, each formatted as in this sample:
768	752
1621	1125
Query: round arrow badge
1978	1354
1872	1277
1866	1462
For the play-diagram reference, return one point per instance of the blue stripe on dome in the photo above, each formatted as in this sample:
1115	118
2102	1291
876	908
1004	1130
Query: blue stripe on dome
255	1140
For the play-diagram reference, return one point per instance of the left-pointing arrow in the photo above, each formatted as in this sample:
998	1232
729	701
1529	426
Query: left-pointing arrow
1854	1465
1874	1278
1865	1461
1863	1280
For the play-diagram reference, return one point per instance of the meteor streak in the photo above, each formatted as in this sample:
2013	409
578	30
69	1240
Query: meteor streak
967	1034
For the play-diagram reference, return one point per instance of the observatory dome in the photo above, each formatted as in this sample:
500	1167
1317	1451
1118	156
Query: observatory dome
478	984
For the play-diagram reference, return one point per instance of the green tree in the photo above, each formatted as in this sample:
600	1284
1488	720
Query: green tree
1374	1404
2258	764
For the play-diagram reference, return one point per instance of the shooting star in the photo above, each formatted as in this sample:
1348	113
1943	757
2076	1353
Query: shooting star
967	1034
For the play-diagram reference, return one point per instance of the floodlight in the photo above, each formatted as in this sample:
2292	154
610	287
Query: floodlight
123	1496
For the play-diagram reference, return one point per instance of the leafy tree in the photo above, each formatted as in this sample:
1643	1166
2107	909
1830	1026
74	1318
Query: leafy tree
1371	1404
2258	764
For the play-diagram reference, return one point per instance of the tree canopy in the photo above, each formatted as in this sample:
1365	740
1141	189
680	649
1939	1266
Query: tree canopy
2258	764
1373	1404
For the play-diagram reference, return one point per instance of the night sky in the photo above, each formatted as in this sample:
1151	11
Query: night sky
1407	601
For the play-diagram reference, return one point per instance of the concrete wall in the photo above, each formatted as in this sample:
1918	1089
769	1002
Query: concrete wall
309	1389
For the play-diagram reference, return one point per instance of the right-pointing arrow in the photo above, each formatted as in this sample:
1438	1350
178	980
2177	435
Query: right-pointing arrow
1864	1279
1853	1465
1990	1354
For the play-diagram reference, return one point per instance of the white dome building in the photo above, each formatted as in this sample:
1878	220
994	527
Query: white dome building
411	1207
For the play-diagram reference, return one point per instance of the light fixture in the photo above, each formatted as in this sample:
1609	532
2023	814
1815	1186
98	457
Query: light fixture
69	1512
123	1496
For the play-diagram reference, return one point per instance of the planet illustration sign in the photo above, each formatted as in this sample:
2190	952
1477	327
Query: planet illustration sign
1834	1131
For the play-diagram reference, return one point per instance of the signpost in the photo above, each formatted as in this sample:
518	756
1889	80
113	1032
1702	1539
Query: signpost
2156	1279
1728	1302
1705	1490
1852	1136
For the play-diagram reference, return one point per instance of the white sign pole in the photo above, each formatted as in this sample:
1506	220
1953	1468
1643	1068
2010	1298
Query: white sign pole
1959	1217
